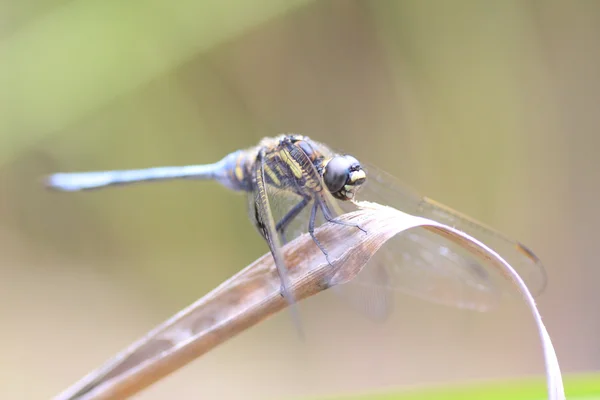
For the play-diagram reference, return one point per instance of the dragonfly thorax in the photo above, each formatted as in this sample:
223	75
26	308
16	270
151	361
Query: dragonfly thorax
343	175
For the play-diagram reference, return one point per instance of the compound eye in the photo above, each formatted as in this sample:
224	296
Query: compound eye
336	173
354	165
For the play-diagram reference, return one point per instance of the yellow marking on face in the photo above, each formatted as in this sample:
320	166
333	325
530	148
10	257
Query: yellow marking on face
357	175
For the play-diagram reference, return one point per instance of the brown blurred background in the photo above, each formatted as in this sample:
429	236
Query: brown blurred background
489	107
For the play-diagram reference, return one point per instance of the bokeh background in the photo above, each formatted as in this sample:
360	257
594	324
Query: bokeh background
490	107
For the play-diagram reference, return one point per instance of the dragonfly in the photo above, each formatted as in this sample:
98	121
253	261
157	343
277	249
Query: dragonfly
294	183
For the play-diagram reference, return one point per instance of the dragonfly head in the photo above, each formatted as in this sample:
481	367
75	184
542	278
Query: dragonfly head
343	175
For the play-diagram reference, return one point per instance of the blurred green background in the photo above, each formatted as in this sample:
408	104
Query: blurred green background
490	107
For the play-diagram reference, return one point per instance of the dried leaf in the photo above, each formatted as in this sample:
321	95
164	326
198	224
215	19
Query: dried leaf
254	294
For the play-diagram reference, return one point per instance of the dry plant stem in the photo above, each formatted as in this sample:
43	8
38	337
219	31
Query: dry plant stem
254	294
237	304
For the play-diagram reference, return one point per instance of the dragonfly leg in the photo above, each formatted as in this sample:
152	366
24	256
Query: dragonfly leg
311	230
289	217
330	218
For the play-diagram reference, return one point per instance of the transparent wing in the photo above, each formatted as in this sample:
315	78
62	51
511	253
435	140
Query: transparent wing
265	222
282	200
425	265
368	295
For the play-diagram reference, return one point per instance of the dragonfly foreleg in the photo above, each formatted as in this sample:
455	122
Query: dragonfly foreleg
289	217
330	218
311	230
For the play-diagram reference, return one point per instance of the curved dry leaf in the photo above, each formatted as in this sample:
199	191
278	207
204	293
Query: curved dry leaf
254	294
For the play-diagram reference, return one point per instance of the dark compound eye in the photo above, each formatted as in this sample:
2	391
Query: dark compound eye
337	172
354	164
